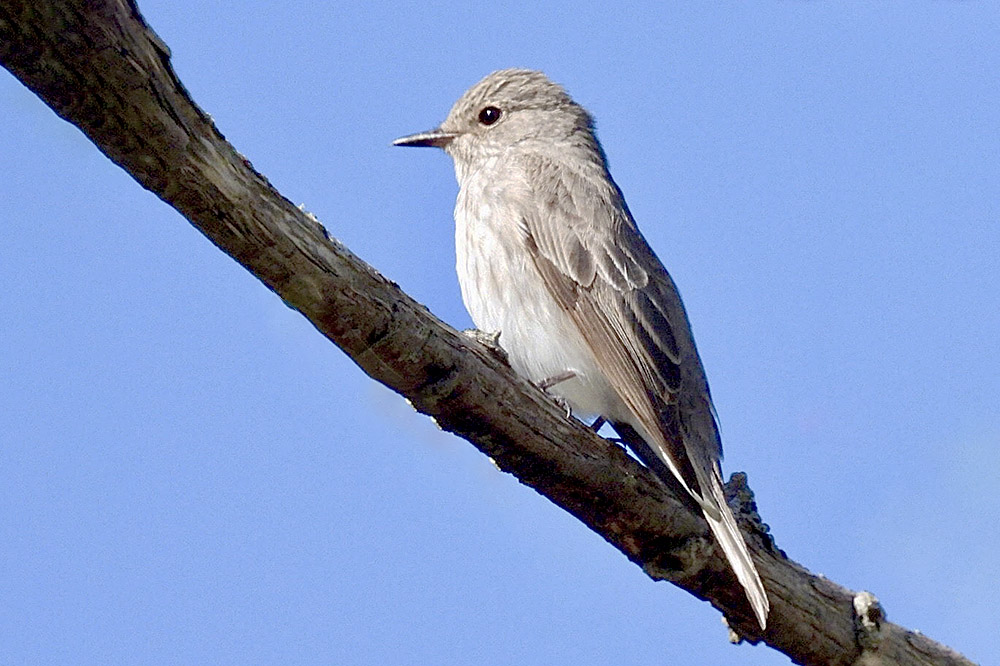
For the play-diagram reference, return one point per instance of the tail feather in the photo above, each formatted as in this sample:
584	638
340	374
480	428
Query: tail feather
712	501
727	533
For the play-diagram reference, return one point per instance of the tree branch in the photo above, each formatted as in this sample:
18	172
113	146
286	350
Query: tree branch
99	66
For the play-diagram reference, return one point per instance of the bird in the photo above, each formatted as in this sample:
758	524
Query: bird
551	261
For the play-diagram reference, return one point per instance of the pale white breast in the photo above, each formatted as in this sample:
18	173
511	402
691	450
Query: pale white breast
504	292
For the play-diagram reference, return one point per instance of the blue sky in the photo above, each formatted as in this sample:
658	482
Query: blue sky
189	473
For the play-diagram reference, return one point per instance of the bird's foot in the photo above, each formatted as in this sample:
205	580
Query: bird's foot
489	340
549	382
561	402
617	441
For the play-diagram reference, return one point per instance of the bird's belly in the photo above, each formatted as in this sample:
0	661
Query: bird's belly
504	293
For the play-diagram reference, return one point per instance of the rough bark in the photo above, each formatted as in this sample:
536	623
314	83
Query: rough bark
99	66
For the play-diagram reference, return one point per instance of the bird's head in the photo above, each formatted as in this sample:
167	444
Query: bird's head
509	108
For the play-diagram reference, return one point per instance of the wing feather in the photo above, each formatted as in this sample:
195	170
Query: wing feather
625	304
628	310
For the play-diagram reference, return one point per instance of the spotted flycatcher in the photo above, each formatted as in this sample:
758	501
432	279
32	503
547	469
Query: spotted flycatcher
549	256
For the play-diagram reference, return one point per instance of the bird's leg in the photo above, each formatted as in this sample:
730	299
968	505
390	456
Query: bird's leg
548	383
598	424
489	340
618	438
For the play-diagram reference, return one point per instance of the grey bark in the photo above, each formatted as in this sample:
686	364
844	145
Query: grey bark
99	66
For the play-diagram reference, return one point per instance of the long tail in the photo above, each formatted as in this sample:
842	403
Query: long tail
727	533
717	513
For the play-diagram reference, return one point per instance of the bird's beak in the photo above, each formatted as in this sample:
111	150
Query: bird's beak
434	137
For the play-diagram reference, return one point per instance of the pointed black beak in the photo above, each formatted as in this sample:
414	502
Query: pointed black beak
434	137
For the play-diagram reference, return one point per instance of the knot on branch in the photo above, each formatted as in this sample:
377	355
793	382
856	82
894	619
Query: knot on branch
868	618
682	562
741	499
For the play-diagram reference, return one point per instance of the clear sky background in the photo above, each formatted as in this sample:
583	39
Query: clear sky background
189	473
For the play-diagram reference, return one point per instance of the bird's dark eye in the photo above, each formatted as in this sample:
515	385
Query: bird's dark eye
489	115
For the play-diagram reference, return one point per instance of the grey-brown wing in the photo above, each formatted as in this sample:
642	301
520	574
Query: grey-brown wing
603	273
599	268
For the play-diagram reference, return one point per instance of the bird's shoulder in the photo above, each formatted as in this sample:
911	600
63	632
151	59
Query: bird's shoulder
576	217
590	250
